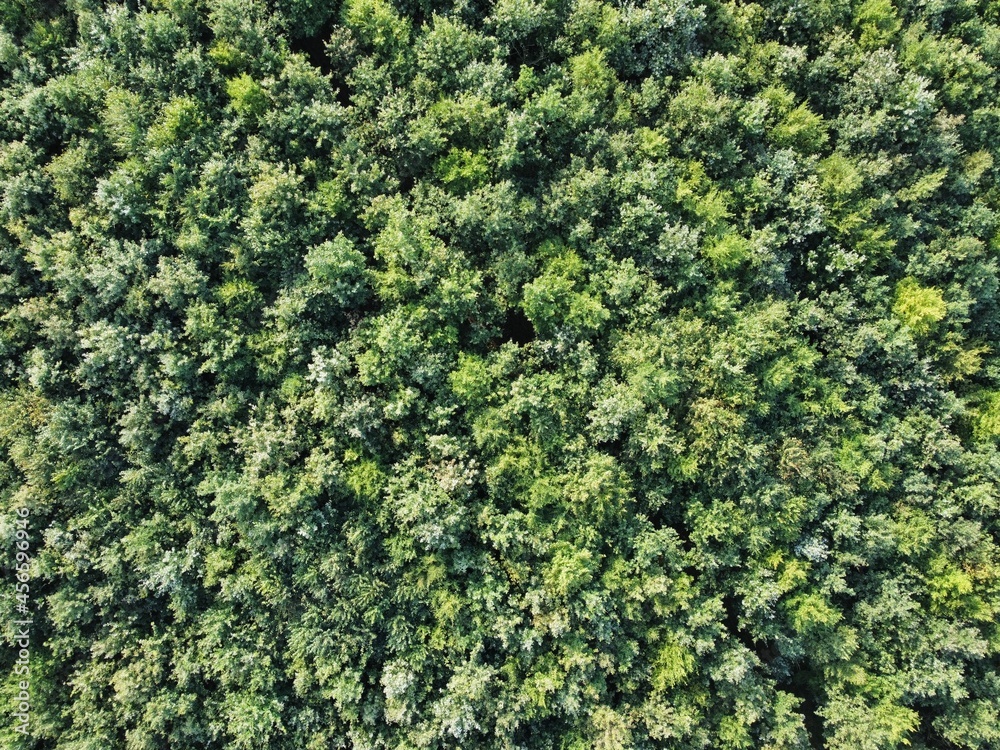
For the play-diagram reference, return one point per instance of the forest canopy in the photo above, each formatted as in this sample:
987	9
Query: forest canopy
531	374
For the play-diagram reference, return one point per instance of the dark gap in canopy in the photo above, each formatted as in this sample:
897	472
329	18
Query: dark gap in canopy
517	328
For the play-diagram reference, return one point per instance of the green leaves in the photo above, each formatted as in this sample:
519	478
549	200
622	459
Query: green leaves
393	374
248	97
673	664
462	170
376	23
869	722
728	252
920	308
877	22
569	569
179	120
338	270
557	299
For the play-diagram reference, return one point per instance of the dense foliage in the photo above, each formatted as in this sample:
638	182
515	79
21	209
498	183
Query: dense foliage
533	374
